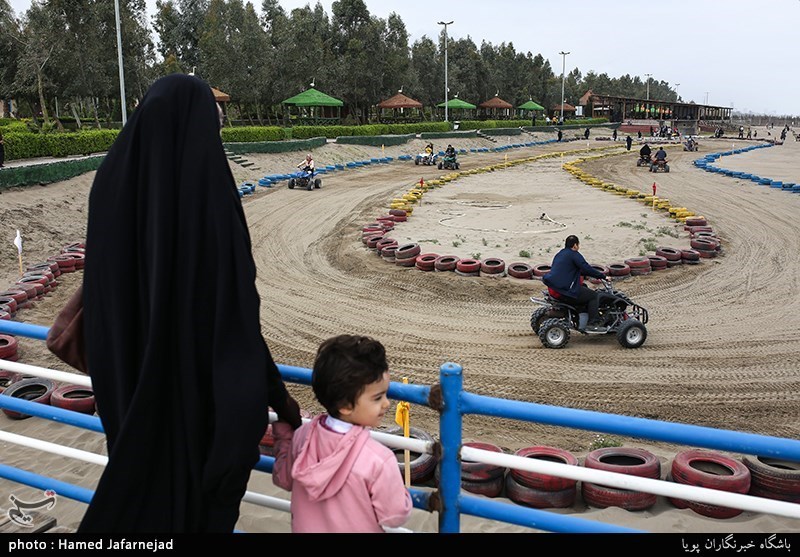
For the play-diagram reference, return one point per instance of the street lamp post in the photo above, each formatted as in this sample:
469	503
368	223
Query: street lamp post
121	72
647	75
706	98
563	68
677	96
446	89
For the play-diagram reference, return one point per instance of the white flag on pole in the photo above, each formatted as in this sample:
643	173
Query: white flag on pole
18	242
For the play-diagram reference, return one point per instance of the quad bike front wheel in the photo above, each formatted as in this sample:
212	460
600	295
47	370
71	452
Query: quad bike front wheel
292	182
310	185
317	183
632	334
554	333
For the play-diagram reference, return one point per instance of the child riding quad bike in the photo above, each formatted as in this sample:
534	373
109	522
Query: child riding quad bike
305	179
690	144
553	322
449	162
427	157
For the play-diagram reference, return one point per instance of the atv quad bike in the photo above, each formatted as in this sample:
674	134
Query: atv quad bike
304	179
426	159
659	166
554	321
449	162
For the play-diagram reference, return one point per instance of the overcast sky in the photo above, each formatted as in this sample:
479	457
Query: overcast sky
737	53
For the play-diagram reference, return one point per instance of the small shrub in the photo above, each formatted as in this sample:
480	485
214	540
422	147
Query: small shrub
624	224
524	253
476	255
601	442
485	243
456	243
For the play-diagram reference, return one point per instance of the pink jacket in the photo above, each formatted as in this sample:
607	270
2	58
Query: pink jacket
339	482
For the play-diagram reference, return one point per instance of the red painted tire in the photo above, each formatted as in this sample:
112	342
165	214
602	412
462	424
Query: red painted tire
545	482
422	465
703	244
9	303
80	259
385	242
30	289
539	498
692	229
493	266
625	460
400	218
398	212
5	315
372	241
407	262
75	398
695	221
638	263
468	266
657	262
386	226
779	478
520	271
619	270
426	261
33	389
480	471
32	282
407	251
707	254
20	296
371	226
711	470
64	260
489	488
388	252
8	346
7	378
670	254
690	255
601	497
640	272
541	270
446	263
603	269
468	274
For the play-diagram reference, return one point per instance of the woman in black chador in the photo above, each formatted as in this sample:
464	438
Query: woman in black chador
181	374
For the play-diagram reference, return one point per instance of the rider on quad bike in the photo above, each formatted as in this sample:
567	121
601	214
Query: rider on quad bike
659	161
306	177
449	162
565	283
644	156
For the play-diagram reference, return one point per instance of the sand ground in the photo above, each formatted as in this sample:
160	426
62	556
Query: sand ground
722	348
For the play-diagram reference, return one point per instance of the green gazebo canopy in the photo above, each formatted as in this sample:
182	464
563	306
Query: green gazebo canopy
530	105
457	103
312	97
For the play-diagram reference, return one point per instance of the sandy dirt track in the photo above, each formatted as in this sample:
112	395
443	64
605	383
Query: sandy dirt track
723	347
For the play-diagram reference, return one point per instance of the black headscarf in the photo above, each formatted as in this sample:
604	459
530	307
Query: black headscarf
179	368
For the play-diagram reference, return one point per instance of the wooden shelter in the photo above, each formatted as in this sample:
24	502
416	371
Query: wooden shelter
569	111
314	108
400	109
495	109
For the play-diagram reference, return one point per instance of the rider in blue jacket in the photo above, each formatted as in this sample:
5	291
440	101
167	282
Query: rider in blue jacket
565	282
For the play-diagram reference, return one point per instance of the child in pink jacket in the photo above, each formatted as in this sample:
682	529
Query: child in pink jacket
341	479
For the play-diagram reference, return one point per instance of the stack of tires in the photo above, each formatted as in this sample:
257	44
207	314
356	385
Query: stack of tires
659	262
446	263
44	391
673	256
542	491
481	478
690	257
622	460
639	266
493	267
468	268
710	470
422	465
619	270
8	348
406	255
774	478
426	261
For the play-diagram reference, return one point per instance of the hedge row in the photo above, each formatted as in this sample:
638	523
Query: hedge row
48	173
276	146
444	135
26	145
254	134
375	140
501	131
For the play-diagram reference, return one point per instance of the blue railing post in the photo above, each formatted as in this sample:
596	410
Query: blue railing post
450	461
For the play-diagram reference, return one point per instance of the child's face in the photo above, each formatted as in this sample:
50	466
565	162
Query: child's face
370	406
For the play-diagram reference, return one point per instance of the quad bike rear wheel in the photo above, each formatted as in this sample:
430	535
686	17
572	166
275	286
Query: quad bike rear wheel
292	182
554	333
632	334
538	318
310	185
317	183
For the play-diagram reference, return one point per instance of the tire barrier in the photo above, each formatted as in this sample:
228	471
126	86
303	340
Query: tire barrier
711	470
638	266
426	261
695	221
75	398
480	478
602	268
545	482
619	270
472	266
31	290
405	262
539	498
773	478
520	271
658	262
388	252
622	460
541	270
383	243
493	267
446	263
670	254
407	251
33	389
373	240
36	283
9	305
8	347
422	465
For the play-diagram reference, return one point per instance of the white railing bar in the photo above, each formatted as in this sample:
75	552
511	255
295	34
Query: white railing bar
55	375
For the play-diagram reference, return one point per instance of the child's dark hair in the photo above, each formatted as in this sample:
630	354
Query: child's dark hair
344	366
